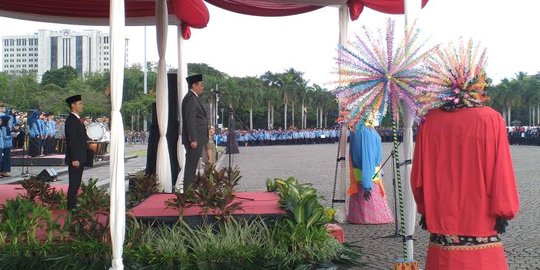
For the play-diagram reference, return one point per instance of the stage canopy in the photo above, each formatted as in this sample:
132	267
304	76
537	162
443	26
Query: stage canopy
184	14
193	13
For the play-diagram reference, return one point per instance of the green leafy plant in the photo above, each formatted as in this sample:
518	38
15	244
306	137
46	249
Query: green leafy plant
301	202
141	186
21	220
92	216
39	190
214	190
181	201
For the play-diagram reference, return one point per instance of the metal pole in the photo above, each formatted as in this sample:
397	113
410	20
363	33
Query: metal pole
145	71
217	105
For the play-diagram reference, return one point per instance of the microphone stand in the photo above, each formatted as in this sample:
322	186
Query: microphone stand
26	154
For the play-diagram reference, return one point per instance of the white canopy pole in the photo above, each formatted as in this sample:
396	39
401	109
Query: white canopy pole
163	166
182	90
341	192
116	171
412	9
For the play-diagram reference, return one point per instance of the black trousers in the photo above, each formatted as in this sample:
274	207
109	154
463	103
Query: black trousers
34	147
75	177
192	160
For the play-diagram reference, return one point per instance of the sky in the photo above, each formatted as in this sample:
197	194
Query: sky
242	45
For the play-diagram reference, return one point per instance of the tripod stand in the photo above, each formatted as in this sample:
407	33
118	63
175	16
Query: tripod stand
232	144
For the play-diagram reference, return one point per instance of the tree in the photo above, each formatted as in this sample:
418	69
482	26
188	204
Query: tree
50	101
133	83
22	92
4	83
304	91
251	93
290	82
271	95
60	76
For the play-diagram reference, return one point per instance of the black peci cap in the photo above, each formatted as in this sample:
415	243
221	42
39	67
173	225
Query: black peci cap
193	79
73	99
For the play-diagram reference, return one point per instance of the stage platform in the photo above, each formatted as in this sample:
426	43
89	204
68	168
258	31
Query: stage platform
19	157
11	191
51	160
254	204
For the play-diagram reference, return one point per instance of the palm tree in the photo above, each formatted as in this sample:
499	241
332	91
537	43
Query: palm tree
271	95
318	100
303	92
252	93
532	97
291	80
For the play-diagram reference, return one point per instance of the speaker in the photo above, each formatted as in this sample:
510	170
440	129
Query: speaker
47	175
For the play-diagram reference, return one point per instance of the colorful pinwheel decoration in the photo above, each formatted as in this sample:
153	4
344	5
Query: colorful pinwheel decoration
455	78
374	74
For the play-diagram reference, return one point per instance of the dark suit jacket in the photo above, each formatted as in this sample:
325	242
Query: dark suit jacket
194	122
75	140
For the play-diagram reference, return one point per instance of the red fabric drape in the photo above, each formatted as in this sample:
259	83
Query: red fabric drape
385	6
186	32
265	8
192	12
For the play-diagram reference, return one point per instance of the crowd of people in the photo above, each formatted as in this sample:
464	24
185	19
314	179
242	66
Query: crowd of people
524	135
262	137
39	132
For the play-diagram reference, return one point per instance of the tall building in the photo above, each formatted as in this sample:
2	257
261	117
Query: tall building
86	51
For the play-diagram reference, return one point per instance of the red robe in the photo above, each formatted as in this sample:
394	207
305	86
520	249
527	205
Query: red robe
462	179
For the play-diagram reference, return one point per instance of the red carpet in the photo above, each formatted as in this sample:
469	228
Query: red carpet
8	191
253	203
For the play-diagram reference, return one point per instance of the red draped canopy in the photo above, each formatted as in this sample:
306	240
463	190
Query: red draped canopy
293	7
192	13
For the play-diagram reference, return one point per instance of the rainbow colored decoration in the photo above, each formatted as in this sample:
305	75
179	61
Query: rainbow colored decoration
455	76
374	73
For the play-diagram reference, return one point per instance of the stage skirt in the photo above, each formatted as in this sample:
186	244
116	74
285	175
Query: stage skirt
373	211
465	253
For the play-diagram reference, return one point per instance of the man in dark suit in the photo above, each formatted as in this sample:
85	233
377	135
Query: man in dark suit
194	127
75	148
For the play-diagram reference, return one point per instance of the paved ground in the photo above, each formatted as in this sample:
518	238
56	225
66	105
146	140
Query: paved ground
316	164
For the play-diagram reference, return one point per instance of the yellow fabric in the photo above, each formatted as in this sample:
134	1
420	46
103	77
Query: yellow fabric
355	176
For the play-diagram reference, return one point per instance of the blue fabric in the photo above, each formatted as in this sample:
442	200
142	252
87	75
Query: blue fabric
34	131
6	131
366	153
7	140
2	132
51	128
41	127
32	124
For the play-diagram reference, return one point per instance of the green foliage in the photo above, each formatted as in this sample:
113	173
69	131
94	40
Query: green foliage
78	254
60	76
230	244
181	201
41	191
301	202
91	220
213	190
21	220
141	186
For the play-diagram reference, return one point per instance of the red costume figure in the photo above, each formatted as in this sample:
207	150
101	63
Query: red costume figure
463	183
